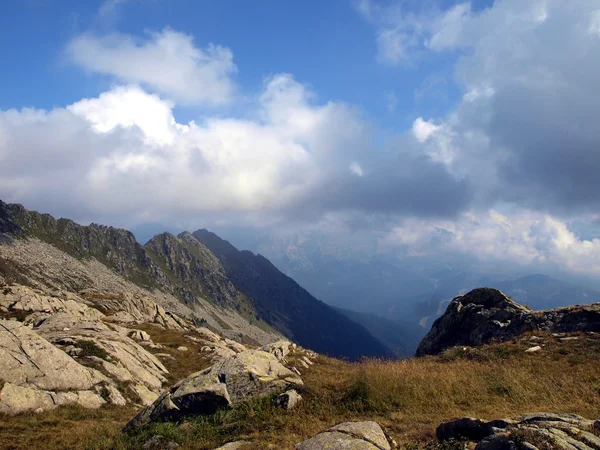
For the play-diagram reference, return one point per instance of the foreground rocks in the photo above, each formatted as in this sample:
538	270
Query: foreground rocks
350	435
243	376
57	350
485	315
526	432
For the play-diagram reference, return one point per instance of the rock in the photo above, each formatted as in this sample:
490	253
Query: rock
208	335
246	375
564	431
500	442
145	395
233	445
182	348
139	335
287	400
235	346
159	443
106	343
467	427
350	435
18	399
537	348
29	359
280	349
597	425
113	396
484	315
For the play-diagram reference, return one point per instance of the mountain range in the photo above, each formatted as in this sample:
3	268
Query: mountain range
196	275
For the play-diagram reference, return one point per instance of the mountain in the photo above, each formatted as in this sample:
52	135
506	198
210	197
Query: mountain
286	306
543	292
199	277
401	337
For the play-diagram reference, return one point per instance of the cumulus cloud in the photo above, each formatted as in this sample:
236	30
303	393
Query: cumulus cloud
523	238
124	154
167	61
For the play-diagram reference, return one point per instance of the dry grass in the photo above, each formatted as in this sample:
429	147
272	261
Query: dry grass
181	364
410	398
64	428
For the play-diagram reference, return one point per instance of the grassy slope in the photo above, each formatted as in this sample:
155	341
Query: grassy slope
410	398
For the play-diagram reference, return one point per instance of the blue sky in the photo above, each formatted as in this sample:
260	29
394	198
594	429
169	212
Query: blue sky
391	119
328	45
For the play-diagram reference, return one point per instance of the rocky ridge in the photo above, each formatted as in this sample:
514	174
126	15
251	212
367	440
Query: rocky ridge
484	315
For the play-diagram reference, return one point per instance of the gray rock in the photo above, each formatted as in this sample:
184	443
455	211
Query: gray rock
159	443
564	431
233	445
18	399
280	349
496	443
246	375
484	315
139	335
29	359
349	435
287	400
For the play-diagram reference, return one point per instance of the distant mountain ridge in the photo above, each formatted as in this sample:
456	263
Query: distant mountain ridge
299	316
197	269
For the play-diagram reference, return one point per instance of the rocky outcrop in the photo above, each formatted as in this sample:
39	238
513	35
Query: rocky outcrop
60	351
350	435
29	359
484	315
243	376
526	432
37	375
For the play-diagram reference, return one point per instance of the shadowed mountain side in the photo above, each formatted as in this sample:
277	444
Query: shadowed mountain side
289	308
402	338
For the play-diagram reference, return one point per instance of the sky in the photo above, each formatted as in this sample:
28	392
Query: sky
428	126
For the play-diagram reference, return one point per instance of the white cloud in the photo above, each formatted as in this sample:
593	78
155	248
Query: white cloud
524	238
423	129
594	26
356	169
167	61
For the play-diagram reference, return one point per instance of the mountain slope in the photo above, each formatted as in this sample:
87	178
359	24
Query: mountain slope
402	338
288	307
40	251
205	280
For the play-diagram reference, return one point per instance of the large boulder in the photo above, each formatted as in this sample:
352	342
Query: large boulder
484	315
29	359
243	376
16	399
350	435
561	431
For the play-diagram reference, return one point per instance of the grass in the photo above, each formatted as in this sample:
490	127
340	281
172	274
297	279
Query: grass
182	363
410	398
